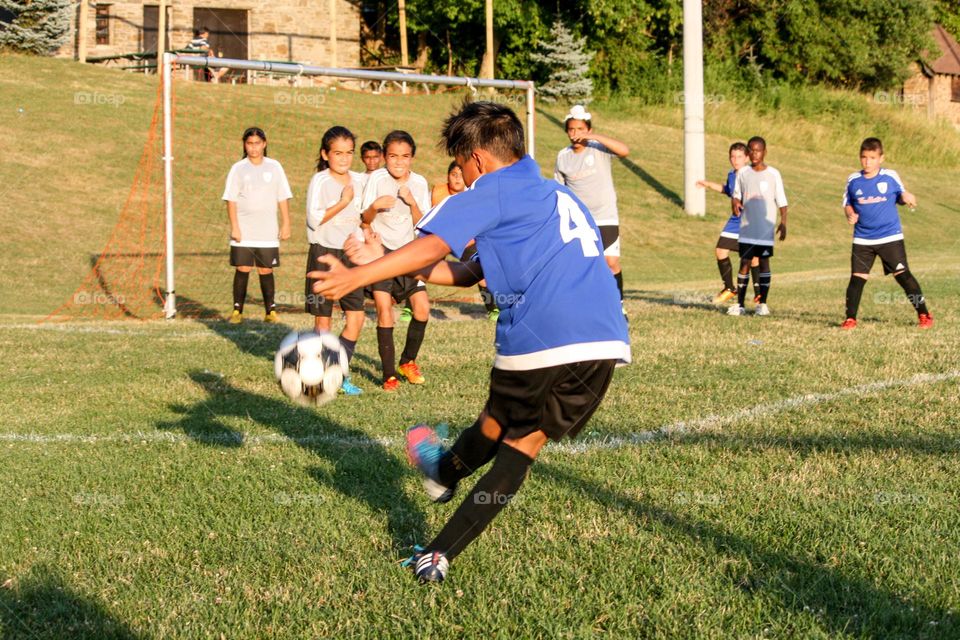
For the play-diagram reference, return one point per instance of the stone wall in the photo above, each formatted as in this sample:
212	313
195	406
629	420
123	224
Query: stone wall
916	94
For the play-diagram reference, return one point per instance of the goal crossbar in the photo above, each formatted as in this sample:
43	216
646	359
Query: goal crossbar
294	69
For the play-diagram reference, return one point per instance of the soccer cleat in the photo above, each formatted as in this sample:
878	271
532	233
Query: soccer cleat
411	372
724	296
736	310
430	566
493	314
391	384
762	309
235	318
271	318
350	389
424	452
849	323
406	314
756	299
925	321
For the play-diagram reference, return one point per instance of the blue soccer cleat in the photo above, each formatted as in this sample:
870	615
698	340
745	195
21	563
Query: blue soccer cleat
424	452
350	389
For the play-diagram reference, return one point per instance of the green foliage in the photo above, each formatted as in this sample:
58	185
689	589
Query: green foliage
568	65
35	26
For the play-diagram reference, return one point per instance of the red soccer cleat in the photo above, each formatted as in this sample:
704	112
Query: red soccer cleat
391	384
925	320
411	372
849	323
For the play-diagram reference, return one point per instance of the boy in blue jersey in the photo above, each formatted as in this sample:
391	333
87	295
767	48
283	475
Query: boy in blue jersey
559	335
870	204
730	235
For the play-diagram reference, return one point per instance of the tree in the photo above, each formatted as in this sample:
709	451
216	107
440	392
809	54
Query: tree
34	26
568	65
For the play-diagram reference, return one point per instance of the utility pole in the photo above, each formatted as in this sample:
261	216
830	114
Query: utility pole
694	148
161	31
487	65
82	31
333	33
404	60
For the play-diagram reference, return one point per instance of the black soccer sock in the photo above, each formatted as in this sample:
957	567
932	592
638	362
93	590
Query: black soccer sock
268	288
912	288
726	273
619	278
757	277
415	331
388	354
489	496
763	282
742	281
349	346
471	451
240	279
854	292
487	296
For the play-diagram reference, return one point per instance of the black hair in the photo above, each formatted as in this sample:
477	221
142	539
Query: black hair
493	127
739	146
371	145
757	139
199	30
331	134
400	136
871	144
254	131
453	165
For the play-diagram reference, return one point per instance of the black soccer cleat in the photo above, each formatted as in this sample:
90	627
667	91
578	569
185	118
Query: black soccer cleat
431	567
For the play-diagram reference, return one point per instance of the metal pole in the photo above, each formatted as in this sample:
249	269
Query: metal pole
694	147
161	30
531	150
170	301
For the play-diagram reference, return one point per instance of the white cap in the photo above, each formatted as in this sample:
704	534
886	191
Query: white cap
577	112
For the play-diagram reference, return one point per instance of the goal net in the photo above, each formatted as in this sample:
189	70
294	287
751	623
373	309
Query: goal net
168	254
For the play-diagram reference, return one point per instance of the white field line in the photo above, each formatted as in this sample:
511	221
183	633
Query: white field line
585	444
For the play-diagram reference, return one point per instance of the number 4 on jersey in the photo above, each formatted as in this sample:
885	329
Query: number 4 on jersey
574	226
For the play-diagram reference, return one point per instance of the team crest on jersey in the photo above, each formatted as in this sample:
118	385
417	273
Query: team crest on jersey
267	176
882	187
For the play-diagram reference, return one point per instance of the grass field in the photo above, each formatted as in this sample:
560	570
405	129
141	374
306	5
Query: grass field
745	477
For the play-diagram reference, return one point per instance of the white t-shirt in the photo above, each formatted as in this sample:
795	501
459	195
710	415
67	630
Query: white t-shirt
324	192
761	193
395	225
589	175
257	188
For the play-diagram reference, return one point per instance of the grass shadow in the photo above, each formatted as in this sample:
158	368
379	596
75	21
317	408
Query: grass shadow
845	604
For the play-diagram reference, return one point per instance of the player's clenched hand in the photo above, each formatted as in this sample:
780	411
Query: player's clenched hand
404	194
852	216
347	194
782	231
235	235
332	284
285	232
366	251
737	207
909	199
384	202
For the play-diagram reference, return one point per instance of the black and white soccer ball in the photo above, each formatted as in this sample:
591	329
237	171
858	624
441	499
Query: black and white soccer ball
310	366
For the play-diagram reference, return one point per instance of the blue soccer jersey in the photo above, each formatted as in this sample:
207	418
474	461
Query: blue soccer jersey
875	202
732	228
543	261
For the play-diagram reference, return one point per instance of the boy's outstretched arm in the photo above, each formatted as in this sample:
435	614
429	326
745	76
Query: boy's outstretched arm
714	186
619	149
908	199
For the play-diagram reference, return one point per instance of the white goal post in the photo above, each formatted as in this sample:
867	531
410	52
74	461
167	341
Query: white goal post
171	59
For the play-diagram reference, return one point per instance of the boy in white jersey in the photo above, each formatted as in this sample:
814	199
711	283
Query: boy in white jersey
333	215
585	167
394	200
870	204
256	188
540	252
757	195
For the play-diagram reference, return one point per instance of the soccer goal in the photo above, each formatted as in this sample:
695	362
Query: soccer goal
168	254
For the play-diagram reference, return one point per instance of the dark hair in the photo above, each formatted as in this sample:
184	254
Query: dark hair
871	144
399	136
757	139
371	145
254	131
738	146
453	165
199	30
331	134
493	127
586	121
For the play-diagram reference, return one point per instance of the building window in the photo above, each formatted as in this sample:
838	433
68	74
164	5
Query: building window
103	24
955	89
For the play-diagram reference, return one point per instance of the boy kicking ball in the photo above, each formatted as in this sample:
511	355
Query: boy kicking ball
870	204
541	255
757	195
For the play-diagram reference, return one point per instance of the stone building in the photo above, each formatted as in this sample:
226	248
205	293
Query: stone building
935	84
278	30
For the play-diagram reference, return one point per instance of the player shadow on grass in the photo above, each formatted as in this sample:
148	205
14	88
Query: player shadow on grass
665	192
673	299
842	604
42	605
362	467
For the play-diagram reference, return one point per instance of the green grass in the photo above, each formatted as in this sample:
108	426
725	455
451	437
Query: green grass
154	483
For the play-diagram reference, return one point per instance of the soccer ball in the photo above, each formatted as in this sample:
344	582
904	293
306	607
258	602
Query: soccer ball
310	366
